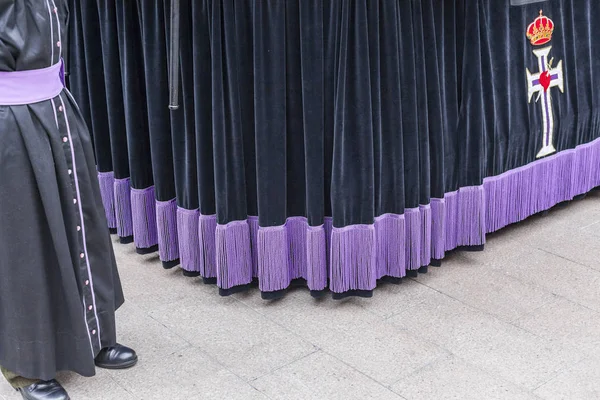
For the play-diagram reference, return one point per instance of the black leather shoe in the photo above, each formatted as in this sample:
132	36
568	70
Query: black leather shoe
50	390
116	357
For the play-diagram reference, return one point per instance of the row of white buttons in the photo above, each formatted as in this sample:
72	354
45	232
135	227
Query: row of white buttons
81	255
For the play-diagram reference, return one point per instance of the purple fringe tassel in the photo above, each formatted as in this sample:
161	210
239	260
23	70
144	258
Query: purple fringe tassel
168	237
425	211
189	242
517	194
253	224
273	258
353	264
296	228
207	230
143	213
328	232
123	207
354	257
413	234
438	228
390	247
107	192
316	255
234	254
471	217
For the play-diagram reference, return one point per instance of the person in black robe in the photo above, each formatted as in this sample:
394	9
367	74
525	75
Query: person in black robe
60	286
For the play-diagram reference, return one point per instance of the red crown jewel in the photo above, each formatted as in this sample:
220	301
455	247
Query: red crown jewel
540	31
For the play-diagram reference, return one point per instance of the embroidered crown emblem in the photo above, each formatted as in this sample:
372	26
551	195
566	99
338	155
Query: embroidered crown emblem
540	31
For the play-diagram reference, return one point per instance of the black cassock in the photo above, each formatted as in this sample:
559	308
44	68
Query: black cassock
59	285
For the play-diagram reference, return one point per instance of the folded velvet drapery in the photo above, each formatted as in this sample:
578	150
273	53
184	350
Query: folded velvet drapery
334	142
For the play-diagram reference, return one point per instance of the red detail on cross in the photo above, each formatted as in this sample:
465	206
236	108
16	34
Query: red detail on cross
545	80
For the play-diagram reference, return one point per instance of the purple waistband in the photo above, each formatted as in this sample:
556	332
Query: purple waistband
32	86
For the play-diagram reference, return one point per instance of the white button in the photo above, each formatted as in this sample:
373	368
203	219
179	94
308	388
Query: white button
90	308
57	44
60	108
65	139
74	201
78	228
55	10
94	332
82	255
87	283
70	172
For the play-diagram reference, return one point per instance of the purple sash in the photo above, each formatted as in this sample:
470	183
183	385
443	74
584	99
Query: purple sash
32	86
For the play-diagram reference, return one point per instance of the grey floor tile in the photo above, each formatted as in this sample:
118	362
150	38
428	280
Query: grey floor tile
150	338
451	378
577	246
485	341
321	376
349	332
389	299
189	374
557	275
102	386
565	324
581	382
243	340
491	291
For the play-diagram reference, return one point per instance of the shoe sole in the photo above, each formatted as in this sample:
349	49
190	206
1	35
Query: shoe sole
120	366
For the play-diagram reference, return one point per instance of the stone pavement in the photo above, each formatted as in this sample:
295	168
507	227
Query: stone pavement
520	320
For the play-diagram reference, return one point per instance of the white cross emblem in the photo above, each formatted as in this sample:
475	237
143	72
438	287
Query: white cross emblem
540	83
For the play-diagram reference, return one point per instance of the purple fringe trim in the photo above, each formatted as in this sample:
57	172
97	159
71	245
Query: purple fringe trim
438	228
234	254
168	237
273	258
328	232
296	228
471	217
353	258
123	207
253	224
425	211
316	255
189	243
390	246
143	213
207	230
107	192
519	193
413	234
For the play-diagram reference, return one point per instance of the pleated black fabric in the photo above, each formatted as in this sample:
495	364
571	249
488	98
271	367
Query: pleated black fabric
345	142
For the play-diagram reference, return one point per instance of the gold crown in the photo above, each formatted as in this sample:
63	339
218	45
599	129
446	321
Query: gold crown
540	31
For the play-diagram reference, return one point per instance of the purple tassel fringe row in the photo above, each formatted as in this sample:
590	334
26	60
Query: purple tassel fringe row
316	257
143	213
413	238
353	264
390	247
438	228
273	258
352	257
123	207
168	238
187	230
107	190
253	224
207	230
234	254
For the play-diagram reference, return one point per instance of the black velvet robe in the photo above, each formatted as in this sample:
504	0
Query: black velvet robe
59	285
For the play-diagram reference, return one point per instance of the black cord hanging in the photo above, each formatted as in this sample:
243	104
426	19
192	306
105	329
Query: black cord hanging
174	57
